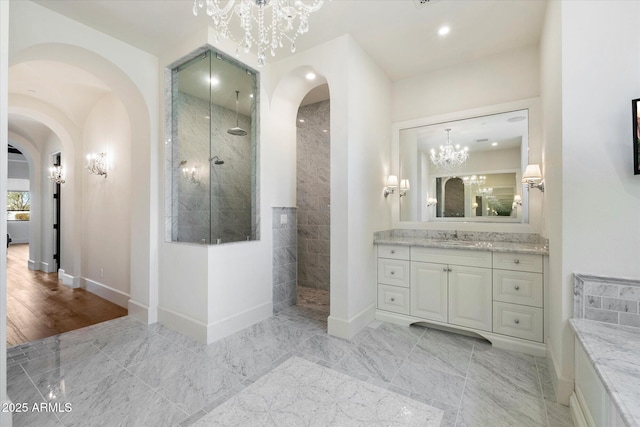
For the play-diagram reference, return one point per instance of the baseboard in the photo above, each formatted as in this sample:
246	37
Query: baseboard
347	329
142	312
69	280
498	341
227	326
46	267
103	291
561	385
186	325
577	415
32	265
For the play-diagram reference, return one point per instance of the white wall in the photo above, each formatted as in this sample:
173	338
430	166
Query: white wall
493	80
106	202
599	79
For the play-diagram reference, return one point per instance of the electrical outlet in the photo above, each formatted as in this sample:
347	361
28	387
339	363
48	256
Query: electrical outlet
284	219
102	272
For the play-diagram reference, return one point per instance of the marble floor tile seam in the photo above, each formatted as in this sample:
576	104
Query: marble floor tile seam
544	401
464	387
406	358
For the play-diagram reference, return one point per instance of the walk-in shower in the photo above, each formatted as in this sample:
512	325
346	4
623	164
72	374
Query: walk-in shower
212	151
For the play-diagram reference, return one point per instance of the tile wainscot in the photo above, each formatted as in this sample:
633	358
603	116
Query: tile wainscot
488	284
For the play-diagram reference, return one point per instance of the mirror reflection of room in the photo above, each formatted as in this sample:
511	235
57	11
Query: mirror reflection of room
465	170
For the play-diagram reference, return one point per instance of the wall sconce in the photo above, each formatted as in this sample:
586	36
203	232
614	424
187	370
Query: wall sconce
404	187
533	177
96	164
191	175
517	201
56	174
392	184
431	202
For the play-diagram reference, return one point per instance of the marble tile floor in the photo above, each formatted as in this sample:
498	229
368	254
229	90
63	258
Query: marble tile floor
125	373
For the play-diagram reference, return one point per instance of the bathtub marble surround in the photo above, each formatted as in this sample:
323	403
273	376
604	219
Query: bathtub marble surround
123	372
485	241
607	299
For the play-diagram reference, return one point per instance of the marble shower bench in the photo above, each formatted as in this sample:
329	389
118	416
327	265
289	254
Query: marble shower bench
606	324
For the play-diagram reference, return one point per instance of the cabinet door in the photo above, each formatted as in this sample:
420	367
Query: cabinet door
429	291
470	297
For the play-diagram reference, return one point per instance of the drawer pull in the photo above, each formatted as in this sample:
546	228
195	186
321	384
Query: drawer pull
392	272
392	251
516	287
393	299
445	269
516	261
517	321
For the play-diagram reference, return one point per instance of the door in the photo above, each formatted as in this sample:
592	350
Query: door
56	216
470	297
429	291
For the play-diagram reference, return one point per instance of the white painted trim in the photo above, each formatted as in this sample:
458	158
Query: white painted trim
499	341
45	267
115	296
561	385
179	322
6	417
347	329
140	311
32	265
577	415
19	241
69	280
224	327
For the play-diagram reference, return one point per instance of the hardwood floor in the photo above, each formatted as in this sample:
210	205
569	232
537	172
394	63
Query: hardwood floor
38	306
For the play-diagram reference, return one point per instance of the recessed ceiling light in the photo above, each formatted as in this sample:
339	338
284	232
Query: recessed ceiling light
444	30
493	144
516	119
214	81
310	76
31	90
207	117
301	120
250	95
324	130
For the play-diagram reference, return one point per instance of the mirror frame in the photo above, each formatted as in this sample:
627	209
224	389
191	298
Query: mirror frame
534	155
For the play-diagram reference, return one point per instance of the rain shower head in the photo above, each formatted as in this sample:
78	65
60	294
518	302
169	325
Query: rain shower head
237	130
216	160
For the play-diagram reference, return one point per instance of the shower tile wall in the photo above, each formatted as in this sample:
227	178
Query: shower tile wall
284	258
313	195
218	206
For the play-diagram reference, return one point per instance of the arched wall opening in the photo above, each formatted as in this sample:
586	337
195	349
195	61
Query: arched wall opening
142	296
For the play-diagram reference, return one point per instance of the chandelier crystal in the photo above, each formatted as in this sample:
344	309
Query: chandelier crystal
288	19
449	157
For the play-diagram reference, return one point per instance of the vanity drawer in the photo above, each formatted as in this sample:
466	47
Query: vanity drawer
393	252
469	258
517	262
393	272
518	287
393	298
518	321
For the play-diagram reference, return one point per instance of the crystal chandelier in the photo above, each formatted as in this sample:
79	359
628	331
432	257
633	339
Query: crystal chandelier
56	175
449	157
476	180
266	34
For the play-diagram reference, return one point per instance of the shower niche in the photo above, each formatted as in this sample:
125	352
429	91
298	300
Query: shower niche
211	156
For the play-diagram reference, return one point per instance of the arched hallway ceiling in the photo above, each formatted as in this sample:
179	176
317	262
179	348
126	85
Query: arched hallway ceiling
28	128
69	89
399	35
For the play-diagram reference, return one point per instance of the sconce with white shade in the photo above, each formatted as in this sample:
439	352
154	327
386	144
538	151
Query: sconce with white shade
56	174
431	202
392	184
404	187
533	176
97	164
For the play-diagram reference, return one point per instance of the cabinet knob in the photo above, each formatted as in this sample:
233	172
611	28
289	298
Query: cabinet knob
516	261
445	269
392	251
516	287
393	299
517	321
449	270
392	272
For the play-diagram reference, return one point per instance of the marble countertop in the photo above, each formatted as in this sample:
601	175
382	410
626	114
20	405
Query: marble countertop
523	248
614	351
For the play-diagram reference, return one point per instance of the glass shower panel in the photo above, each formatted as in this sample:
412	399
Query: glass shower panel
214	151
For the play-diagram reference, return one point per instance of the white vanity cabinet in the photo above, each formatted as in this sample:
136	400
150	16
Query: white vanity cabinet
454	288
498	295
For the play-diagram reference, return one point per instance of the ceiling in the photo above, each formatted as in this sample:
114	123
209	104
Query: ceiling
398	34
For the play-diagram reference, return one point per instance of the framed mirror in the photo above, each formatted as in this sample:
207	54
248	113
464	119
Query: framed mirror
465	170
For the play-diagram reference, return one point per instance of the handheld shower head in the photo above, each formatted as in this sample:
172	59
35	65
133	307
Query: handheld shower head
216	160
